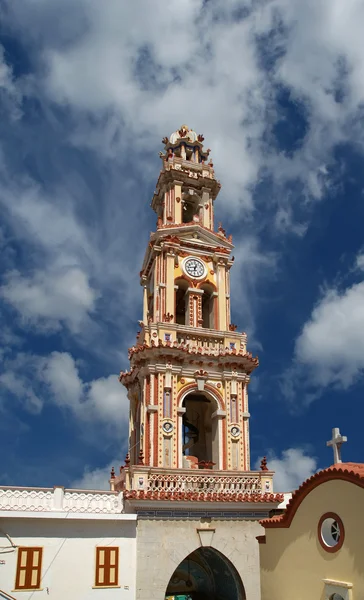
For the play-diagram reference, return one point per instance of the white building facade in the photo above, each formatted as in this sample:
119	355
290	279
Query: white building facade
57	543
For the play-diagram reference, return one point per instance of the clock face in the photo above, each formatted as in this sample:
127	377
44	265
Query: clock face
194	267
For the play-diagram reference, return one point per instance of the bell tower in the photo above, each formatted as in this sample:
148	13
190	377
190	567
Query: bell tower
187	472
189	368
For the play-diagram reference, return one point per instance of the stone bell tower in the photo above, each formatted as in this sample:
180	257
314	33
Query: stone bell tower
189	368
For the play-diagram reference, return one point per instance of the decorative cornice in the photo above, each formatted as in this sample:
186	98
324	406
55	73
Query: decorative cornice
202	496
180	349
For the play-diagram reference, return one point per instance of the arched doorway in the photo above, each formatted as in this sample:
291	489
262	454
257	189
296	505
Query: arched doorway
200	439
205	574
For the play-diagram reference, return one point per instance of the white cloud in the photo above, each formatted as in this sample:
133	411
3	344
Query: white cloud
101	400
10	95
291	469
50	299
360	262
252	264
331	344
96	479
36	380
197	63
126	81
19	388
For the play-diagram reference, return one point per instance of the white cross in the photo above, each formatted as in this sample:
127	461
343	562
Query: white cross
336	442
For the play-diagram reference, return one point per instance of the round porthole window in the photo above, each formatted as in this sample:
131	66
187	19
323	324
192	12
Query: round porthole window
331	532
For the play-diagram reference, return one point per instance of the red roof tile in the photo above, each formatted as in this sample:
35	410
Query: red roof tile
352	472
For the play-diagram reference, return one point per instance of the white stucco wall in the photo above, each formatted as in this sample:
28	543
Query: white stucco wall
68	569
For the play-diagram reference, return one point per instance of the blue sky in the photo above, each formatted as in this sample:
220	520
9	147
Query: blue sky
87	91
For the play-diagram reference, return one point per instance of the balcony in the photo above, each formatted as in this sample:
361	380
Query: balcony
210	341
148	483
199	337
185	481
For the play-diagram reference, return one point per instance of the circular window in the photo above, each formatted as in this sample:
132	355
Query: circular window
331	532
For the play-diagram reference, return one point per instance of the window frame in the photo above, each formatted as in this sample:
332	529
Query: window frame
335	517
107	566
29	568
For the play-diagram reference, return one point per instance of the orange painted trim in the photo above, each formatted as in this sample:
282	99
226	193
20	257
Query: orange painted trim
331	549
202	496
333	473
209	388
206	282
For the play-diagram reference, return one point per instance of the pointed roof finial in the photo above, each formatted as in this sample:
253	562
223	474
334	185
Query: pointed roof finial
112	474
141	458
336	443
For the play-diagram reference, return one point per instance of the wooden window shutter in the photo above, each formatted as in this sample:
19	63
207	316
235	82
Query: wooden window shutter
107	566
28	569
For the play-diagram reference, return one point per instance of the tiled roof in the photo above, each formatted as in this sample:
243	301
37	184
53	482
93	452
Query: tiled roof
351	472
202	496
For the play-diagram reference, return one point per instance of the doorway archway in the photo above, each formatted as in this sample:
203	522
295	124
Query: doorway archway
205	574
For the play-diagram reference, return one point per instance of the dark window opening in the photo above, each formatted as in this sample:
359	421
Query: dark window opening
181	302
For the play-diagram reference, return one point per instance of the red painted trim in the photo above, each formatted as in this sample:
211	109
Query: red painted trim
261	539
206	282
209	388
202	496
331	549
333	473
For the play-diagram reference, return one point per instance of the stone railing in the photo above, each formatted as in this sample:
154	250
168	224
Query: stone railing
59	500
188	482
202	481
207	341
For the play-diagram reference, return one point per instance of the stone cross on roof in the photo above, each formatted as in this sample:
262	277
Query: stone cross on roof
336	442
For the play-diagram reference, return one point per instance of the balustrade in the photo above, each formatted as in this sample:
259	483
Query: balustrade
59	500
214	483
207	342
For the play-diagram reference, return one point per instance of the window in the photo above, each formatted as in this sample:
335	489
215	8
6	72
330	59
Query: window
28	570
208	306
331	532
337	590
107	567
181	301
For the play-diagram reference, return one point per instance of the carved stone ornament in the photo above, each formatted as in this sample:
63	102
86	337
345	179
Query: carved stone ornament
235	431
167	427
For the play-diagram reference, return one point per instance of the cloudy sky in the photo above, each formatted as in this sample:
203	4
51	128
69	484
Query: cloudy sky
87	91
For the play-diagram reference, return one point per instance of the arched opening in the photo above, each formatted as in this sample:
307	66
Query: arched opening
200	444
190	206
181	286
205	574
208	306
